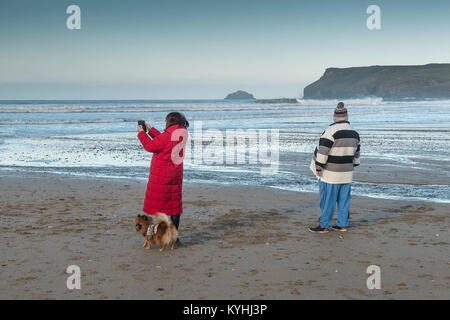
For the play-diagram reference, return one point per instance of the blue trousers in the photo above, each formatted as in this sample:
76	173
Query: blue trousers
330	194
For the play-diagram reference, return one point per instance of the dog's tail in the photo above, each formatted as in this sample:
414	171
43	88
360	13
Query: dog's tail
162	219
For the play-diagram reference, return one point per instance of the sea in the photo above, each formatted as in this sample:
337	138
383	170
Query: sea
98	139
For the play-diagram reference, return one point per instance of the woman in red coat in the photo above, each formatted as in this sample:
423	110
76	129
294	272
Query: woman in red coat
164	188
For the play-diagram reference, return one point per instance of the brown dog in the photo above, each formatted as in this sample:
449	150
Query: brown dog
163	231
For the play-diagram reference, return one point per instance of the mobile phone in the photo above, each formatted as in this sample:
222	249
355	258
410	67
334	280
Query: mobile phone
142	124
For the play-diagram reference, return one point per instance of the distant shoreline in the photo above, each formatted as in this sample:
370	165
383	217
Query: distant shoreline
275	100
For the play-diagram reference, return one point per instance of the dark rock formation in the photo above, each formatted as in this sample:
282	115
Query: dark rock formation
388	82
239	95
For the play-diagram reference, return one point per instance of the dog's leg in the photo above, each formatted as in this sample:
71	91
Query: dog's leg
173	245
148	242
145	243
163	248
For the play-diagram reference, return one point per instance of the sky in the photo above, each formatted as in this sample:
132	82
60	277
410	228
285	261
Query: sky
205	49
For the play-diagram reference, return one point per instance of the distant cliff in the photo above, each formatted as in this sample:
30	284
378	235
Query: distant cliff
388	82
239	95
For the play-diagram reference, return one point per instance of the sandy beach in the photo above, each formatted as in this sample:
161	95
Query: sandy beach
238	242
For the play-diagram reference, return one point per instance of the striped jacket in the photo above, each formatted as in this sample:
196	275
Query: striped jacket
337	153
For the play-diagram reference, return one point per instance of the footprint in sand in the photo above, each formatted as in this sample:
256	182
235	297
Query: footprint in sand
124	267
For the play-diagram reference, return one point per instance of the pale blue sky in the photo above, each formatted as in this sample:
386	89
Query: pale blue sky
205	49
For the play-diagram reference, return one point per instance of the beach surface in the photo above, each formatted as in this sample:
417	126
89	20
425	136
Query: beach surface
238	242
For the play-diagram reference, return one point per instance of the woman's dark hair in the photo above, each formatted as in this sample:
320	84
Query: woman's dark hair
176	118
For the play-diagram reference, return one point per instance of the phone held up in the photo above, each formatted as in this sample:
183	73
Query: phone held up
142	124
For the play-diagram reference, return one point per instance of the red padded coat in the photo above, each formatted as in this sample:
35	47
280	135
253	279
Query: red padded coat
164	187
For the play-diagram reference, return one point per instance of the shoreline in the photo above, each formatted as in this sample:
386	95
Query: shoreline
251	242
77	175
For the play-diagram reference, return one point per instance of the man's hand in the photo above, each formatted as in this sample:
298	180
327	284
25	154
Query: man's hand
319	173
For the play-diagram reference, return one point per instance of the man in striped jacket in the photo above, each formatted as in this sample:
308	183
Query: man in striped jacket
333	162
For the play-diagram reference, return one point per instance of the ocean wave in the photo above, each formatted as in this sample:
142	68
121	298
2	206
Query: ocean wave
363	101
149	109
207	106
301	113
376	101
33	122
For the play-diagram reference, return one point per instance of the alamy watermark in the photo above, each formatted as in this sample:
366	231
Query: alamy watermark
73	22
74	280
374	20
230	147
374	280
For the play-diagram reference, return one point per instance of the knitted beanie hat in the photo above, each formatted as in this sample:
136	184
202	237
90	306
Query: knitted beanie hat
340	113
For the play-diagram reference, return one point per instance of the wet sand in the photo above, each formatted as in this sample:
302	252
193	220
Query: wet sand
238	242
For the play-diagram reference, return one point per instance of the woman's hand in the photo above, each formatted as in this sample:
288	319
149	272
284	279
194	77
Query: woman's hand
139	128
148	127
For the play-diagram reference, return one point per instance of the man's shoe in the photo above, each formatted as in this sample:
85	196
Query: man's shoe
318	229
341	229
